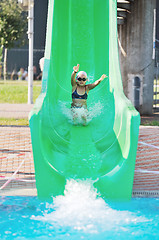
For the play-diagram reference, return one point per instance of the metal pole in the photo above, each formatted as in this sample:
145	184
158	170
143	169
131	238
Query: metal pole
30	37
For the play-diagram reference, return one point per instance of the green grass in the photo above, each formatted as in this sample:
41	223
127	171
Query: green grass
150	123
13	122
17	91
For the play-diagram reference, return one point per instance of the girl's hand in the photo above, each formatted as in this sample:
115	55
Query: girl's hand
76	68
103	76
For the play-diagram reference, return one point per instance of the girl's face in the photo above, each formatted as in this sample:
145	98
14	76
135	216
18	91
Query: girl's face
81	80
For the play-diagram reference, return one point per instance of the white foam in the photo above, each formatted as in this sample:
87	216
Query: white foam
95	111
92	112
82	209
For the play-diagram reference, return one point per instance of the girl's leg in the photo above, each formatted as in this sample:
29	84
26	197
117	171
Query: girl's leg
75	118
84	118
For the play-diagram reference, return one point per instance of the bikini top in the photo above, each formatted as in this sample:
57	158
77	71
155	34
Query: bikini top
75	95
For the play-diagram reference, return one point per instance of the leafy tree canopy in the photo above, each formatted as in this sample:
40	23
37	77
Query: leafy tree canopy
13	24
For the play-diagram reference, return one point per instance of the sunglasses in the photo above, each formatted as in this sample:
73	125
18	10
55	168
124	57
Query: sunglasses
81	79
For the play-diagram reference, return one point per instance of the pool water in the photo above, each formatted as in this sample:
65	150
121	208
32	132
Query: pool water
80	214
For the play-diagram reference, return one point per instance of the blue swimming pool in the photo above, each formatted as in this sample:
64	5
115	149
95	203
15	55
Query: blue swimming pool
79	214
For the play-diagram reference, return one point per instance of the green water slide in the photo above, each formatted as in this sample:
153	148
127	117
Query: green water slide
84	32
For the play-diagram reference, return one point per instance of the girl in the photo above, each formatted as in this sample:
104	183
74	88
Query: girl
80	92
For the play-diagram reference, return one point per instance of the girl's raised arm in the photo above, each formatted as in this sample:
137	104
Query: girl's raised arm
75	70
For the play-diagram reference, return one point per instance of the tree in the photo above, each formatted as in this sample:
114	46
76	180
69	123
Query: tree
13	25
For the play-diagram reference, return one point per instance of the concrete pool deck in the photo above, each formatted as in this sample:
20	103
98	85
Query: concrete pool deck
15	110
16	160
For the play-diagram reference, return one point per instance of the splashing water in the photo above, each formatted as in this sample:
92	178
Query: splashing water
92	112
82	209
78	214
